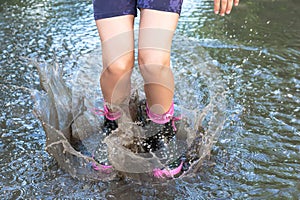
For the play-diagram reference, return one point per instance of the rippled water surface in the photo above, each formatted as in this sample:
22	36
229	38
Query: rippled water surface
256	50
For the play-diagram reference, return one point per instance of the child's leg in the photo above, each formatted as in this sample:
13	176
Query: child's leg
155	38
116	35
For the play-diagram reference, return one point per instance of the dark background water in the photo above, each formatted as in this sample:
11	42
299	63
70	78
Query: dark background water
257	49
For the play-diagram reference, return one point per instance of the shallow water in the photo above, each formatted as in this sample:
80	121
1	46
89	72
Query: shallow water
256	51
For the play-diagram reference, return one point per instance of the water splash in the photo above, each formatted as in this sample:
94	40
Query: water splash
65	113
53	108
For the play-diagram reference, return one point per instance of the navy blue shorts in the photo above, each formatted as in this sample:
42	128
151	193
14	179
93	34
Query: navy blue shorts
112	8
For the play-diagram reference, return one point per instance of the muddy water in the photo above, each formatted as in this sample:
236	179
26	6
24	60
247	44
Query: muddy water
255	52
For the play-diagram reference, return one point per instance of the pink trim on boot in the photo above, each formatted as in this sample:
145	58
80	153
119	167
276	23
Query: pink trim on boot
103	168
109	115
161	173
164	118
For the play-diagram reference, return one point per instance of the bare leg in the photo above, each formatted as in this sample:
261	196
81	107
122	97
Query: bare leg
155	38
116	35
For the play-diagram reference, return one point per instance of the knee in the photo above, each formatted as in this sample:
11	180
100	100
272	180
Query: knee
155	68
120	67
153	58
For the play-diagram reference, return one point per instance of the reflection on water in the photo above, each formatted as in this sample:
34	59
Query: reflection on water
256	50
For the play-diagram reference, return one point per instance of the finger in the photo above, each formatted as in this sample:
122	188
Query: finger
216	6
223	7
229	6
236	2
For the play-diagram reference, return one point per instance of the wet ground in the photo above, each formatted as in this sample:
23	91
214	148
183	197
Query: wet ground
256	51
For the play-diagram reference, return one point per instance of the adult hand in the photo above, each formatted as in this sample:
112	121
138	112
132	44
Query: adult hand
224	6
